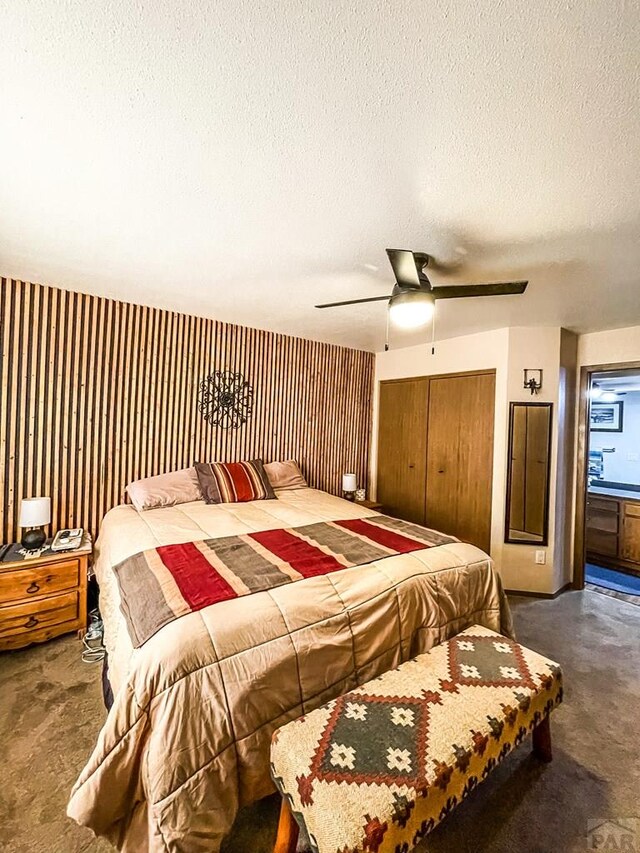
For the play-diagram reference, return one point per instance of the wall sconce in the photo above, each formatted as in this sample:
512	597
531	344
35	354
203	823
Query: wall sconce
533	380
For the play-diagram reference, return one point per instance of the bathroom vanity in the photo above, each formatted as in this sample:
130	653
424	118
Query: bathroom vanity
613	527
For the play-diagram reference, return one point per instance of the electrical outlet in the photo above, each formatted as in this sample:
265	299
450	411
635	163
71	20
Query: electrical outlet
632	457
541	557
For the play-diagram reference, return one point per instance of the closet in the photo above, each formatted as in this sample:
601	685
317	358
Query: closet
435	452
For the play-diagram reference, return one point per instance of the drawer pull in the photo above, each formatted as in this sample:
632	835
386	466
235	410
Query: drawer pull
31	622
33	587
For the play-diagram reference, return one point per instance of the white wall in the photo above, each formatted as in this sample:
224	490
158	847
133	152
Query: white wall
533	348
508	351
623	465
612	347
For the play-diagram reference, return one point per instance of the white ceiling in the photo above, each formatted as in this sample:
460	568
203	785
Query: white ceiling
247	159
622	381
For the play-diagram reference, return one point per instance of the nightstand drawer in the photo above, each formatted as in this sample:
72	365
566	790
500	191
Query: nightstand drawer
38	580
36	615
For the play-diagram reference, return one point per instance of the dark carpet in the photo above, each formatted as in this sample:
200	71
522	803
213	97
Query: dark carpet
50	713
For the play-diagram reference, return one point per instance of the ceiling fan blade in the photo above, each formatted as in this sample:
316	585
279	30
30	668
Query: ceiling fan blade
457	291
354	302
407	267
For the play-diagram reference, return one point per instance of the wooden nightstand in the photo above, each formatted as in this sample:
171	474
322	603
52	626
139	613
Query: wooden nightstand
370	505
43	597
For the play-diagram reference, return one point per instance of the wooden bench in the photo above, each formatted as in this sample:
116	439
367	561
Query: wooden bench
378	768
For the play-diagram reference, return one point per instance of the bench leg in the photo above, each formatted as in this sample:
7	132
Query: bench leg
542	740
287	838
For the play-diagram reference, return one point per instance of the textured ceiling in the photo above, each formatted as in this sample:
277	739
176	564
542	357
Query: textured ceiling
245	160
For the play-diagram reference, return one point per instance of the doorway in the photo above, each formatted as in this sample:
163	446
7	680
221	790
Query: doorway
607	538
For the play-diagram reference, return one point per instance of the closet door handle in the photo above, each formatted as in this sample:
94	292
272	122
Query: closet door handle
411	465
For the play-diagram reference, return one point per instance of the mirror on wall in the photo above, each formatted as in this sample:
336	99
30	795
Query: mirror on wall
527	514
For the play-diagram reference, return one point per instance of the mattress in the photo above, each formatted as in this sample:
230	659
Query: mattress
186	742
125	532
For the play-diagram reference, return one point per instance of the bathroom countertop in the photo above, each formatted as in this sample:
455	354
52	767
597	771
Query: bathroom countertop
610	492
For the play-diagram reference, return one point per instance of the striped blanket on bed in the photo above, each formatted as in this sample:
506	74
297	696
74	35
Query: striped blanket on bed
161	584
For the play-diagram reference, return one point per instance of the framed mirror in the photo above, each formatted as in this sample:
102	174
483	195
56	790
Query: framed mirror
529	464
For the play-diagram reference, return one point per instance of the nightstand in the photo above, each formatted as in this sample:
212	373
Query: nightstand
43	597
370	505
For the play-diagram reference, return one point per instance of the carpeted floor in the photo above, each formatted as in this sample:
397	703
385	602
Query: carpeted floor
51	710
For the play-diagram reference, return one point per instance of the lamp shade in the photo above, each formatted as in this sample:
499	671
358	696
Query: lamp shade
349	483
35	512
411	309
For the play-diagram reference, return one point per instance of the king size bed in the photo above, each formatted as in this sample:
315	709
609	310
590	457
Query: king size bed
186	742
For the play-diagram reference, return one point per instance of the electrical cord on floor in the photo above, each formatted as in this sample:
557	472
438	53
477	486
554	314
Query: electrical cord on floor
94	650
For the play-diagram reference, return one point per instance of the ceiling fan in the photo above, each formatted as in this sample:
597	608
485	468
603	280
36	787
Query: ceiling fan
413	297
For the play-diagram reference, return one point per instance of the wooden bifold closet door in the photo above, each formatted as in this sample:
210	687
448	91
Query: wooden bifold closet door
460	456
435	453
402	448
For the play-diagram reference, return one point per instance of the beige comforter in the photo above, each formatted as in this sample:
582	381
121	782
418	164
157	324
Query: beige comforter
186	742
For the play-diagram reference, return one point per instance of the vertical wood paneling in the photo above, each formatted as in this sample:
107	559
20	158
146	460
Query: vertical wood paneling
96	393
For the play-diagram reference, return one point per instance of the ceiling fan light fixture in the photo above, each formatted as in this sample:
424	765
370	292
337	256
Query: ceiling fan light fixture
411	309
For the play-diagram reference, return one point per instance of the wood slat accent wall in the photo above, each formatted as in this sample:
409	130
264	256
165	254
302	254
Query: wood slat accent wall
96	393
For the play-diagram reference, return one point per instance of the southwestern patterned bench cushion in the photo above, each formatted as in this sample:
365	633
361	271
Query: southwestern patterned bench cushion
376	769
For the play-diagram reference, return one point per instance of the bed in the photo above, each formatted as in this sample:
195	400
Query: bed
186	742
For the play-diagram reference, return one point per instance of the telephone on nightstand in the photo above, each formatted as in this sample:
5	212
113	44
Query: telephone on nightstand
67	540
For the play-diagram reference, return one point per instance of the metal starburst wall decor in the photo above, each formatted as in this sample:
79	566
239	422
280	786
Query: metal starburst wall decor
225	399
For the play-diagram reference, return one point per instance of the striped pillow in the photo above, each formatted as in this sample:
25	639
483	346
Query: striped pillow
233	482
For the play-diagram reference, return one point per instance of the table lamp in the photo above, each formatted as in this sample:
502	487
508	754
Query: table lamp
34	514
349	486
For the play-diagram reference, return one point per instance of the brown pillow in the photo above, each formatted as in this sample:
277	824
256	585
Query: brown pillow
233	482
178	487
285	475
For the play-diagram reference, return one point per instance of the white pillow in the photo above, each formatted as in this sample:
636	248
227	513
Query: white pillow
177	487
285	475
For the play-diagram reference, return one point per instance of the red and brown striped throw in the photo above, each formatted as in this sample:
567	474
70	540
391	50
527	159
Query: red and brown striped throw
161	584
